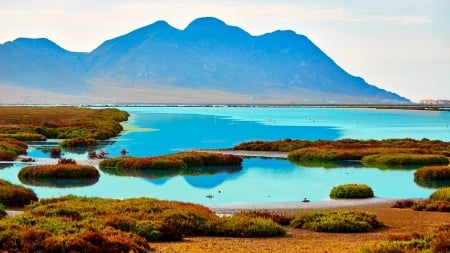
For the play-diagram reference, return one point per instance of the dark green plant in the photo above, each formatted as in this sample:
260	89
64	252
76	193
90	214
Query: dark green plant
351	191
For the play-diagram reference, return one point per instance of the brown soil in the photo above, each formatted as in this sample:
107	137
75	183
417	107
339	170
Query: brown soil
398	221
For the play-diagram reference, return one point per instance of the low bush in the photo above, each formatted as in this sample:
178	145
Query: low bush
351	191
15	195
59	171
442	194
340	221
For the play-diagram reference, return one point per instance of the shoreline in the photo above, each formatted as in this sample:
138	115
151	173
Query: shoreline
227	209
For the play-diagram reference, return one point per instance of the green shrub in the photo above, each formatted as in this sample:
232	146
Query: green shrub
341	221
351	191
442	194
15	195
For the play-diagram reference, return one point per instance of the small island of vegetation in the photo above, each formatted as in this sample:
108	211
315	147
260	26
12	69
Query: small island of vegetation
66	174
351	191
134	165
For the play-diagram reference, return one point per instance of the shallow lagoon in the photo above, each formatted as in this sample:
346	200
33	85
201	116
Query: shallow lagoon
162	130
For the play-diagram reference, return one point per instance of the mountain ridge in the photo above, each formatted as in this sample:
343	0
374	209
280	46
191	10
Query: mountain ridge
208	56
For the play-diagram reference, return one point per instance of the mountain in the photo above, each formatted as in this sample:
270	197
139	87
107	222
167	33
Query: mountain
209	61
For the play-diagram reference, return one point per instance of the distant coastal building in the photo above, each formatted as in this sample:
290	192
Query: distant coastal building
435	101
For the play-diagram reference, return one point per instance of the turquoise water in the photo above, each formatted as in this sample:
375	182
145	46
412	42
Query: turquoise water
163	130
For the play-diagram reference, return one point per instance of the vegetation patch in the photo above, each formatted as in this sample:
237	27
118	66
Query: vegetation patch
351	191
15	195
2	211
10	149
178	161
337	221
40	123
388	152
109	225
59	171
441	194
402	159
433	173
436	241
438	201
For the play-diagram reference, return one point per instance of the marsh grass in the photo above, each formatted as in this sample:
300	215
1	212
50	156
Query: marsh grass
435	241
385	154
38	123
10	149
59	171
73	223
337	221
15	195
198	162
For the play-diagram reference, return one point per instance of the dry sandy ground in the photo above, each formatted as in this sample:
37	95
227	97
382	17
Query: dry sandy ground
398	221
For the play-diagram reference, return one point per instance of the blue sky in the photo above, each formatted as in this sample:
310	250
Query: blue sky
398	45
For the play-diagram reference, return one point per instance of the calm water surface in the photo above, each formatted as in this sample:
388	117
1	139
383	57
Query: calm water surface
163	130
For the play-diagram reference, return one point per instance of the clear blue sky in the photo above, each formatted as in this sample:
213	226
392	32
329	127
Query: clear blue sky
398	45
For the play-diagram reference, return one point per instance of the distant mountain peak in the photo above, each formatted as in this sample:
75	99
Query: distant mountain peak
207	61
36	43
206	23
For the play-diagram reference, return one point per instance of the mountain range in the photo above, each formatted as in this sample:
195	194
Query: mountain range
207	62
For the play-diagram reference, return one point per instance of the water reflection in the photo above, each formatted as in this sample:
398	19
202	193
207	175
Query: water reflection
432	184
59	183
203	177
